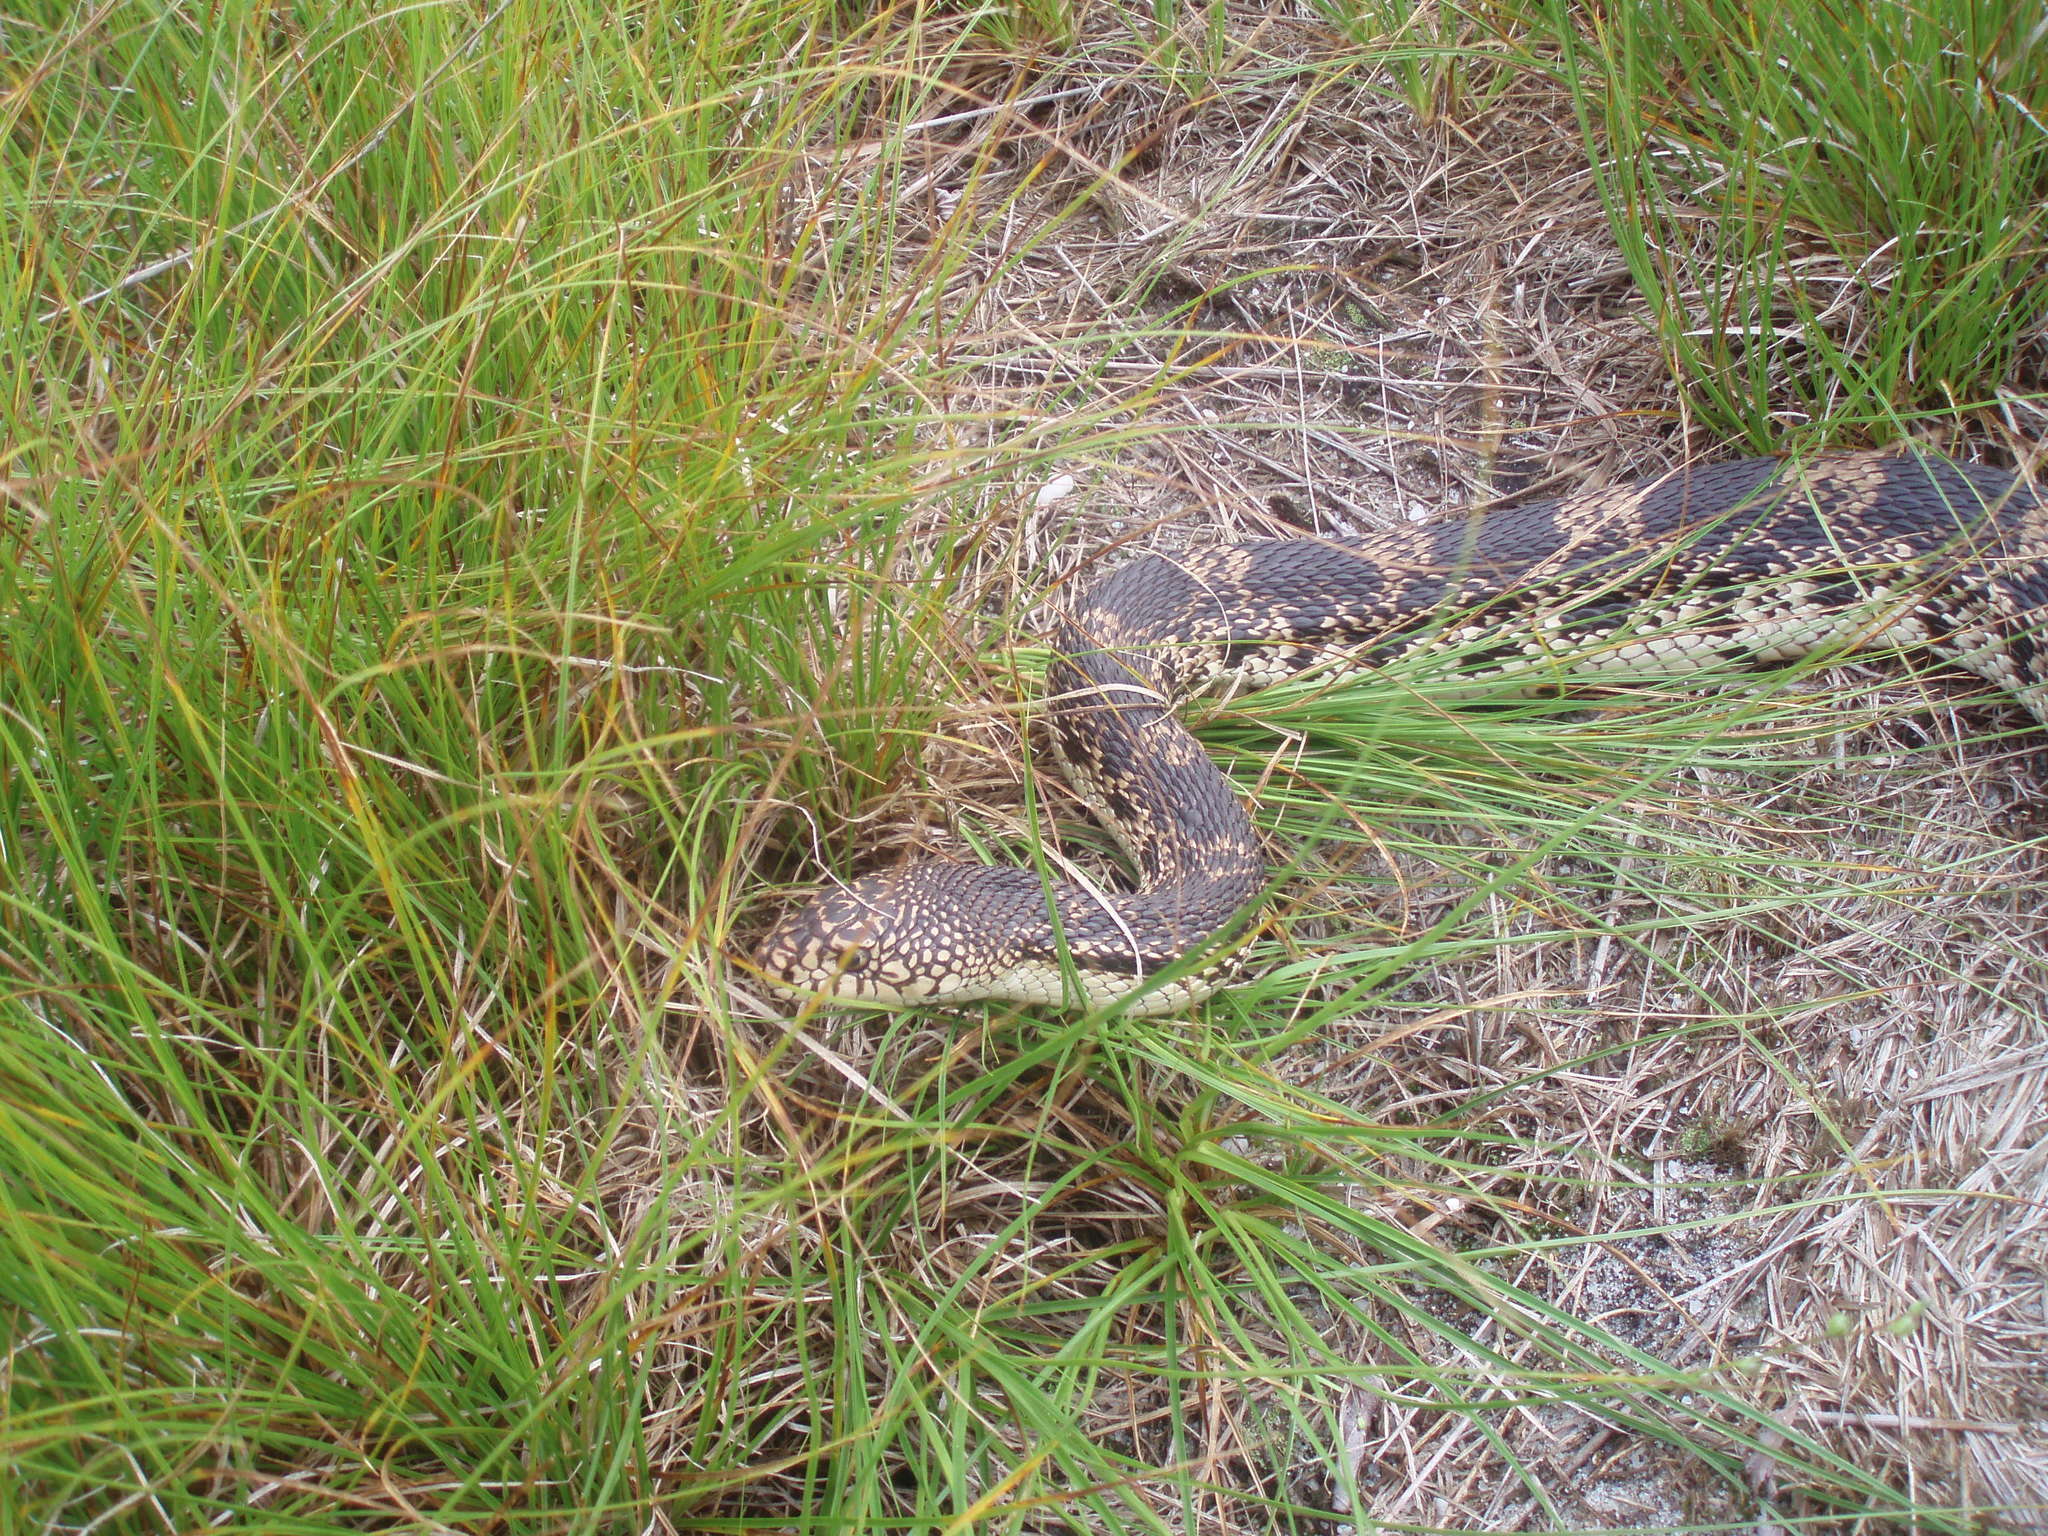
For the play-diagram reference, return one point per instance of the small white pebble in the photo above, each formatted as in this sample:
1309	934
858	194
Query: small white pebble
1058	488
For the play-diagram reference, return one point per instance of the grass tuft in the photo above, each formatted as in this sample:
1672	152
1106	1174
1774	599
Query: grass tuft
1834	211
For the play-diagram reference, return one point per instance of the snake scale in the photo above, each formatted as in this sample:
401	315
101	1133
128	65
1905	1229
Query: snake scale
1757	561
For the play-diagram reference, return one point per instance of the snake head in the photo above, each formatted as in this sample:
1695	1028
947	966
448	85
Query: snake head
916	935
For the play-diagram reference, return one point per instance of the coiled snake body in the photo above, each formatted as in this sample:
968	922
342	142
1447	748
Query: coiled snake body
1758	561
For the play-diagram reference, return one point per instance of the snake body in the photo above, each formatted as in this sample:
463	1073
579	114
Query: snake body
1758	561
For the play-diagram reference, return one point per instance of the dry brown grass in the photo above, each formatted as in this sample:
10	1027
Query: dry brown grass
1421	315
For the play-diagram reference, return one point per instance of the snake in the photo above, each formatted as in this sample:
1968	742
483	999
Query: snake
1757	562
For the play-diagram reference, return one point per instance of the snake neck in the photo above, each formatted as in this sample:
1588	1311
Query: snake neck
1110	715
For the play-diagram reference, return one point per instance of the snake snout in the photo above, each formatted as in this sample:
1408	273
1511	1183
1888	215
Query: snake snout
838	945
909	936
807	951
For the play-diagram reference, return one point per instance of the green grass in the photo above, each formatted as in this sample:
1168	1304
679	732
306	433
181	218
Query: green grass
1448	61
465	488
390	566
1835	211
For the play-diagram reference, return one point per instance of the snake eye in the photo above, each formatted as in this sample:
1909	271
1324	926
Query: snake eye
852	962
